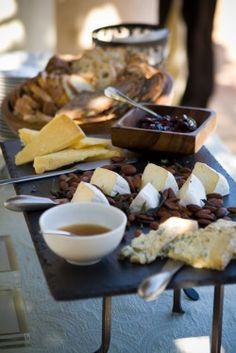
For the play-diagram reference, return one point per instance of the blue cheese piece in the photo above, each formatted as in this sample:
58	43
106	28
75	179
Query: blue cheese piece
192	192
86	192
110	182
147	247
212	247
148	197
212	180
159	177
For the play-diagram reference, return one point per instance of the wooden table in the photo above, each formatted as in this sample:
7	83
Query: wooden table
112	277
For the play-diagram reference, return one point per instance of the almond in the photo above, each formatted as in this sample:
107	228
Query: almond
175	213
137	181
204	222
129	179
171	204
162	213
211	208
171	193
214	195
165	194
221	212
146	218
163	219
215	202
117	159
204	215
154	225
193	208
128	169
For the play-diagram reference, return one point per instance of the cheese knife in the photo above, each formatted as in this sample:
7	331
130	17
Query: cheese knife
78	167
153	286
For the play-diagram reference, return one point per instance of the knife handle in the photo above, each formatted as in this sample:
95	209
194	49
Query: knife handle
32	177
154	285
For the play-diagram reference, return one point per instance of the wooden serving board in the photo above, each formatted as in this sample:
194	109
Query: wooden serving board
110	276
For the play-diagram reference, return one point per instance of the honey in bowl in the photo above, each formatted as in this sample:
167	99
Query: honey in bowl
85	229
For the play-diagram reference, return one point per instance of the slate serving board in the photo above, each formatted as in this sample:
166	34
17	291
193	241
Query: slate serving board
110	276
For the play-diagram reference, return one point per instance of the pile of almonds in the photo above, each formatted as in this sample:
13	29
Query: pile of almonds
212	210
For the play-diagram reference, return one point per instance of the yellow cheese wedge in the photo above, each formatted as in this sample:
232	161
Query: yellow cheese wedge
58	134
27	135
91	141
60	159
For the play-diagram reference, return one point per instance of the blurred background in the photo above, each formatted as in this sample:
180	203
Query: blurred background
65	26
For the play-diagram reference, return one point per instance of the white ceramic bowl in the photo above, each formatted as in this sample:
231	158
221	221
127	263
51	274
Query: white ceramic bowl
83	250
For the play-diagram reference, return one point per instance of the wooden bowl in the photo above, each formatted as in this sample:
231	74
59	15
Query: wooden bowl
126	134
100	124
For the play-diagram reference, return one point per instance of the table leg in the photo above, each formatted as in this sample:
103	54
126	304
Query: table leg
177	307
217	319
106	325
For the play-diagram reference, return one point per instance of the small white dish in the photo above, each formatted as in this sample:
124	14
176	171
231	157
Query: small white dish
83	250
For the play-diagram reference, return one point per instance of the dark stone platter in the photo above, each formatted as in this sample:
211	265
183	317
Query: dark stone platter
110	276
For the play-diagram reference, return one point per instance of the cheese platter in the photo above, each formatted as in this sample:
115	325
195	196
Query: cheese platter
112	275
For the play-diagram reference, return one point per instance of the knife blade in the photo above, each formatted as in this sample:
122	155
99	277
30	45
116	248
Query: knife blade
78	167
153	286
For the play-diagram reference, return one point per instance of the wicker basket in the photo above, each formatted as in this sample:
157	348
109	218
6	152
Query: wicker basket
102	125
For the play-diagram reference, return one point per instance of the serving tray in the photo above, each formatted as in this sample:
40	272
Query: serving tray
110	276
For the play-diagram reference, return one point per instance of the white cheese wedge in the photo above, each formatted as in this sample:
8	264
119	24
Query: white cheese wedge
86	192
110	182
192	192
148	197
211	179
159	177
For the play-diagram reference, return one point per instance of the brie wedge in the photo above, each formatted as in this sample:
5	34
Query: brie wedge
147	198
110	182
86	192
159	177
211	179
192	192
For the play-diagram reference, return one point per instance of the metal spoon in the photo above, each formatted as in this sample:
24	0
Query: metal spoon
23	203
114	93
